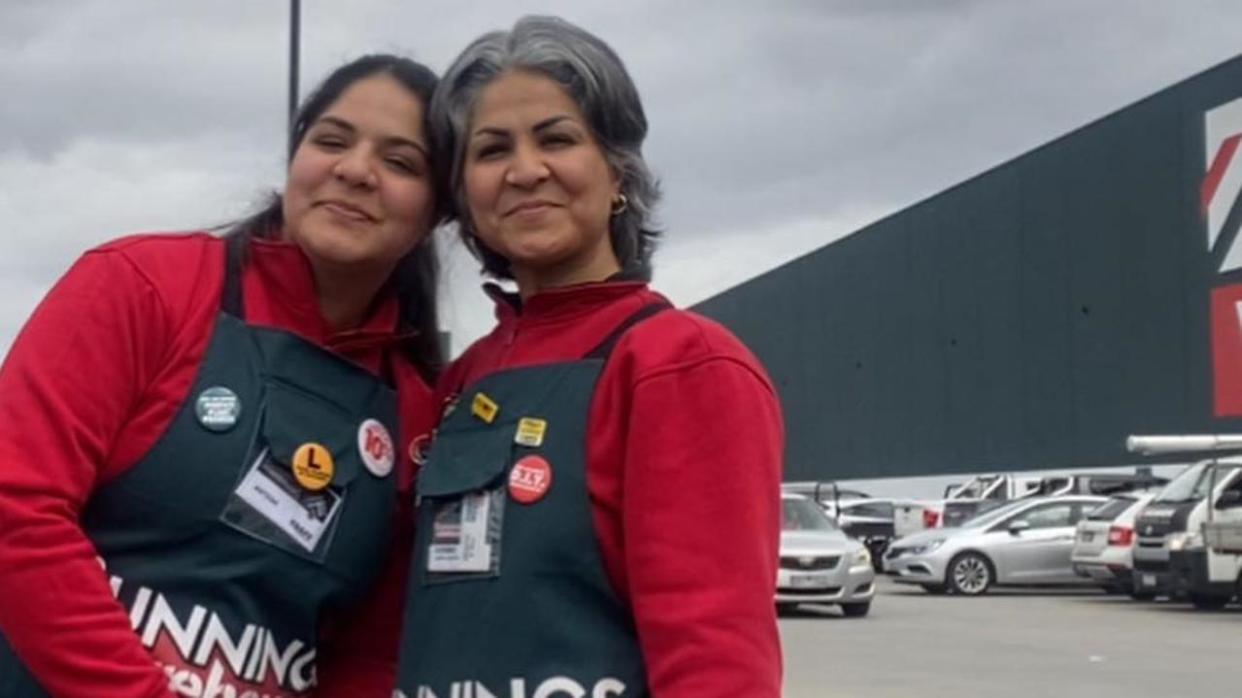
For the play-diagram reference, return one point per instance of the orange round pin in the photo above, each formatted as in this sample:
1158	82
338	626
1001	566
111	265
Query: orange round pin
530	479
312	466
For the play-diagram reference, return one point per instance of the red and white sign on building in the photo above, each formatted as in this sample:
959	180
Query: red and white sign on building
1222	185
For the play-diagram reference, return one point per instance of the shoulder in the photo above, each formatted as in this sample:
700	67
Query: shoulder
181	268
160	250
460	370
676	340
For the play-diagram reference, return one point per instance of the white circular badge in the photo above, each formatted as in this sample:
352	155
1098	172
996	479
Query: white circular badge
375	447
217	408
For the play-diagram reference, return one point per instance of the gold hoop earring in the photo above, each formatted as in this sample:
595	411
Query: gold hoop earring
619	204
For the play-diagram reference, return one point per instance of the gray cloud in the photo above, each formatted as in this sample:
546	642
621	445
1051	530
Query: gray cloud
769	121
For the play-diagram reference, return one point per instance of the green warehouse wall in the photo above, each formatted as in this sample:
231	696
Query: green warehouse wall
1028	318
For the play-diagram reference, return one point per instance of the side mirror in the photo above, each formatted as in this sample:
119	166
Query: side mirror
1018	527
1229	499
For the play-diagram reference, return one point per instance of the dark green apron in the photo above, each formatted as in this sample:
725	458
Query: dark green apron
508	594
224	561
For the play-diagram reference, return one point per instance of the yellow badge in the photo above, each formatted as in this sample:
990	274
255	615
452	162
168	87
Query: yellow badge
530	432
313	466
484	408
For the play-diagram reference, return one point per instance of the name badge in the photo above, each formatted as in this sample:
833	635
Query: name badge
270	489
459	535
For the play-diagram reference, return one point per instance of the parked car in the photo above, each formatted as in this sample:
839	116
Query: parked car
985	492
1024	542
861	516
819	563
1104	544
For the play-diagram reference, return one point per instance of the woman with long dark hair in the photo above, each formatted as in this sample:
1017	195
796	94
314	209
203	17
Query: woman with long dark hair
203	439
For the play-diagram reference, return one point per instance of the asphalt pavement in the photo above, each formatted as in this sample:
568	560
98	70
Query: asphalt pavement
1012	644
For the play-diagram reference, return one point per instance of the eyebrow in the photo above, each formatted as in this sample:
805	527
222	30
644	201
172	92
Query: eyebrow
388	140
546	123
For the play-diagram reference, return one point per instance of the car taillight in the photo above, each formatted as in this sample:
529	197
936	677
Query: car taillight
1120	535
930	518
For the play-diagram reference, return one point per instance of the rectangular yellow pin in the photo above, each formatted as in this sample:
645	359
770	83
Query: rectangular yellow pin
484	408
530	432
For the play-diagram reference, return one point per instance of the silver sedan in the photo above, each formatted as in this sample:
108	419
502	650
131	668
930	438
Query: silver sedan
1027	542
819	563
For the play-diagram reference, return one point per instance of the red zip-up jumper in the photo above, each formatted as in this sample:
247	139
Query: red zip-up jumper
684	454
91	383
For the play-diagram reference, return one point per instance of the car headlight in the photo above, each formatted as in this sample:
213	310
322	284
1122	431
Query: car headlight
1185	541
927	547
862	558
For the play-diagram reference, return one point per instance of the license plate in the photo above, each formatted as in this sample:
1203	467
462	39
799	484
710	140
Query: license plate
806	581
1086	536
1148	580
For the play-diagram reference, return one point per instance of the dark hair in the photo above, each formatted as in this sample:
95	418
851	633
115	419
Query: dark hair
415	277
593	75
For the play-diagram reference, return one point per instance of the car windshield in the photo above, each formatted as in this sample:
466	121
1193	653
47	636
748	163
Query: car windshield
804	515
1193	483
992	515
1110	510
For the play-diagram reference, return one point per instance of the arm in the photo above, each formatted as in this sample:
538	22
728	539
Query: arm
69	383
360	658
701	522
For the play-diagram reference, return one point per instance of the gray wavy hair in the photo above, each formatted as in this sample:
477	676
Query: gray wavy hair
595	78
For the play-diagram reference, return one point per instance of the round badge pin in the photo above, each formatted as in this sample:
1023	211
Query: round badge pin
313	466
530	479
217	408
375	447
418	448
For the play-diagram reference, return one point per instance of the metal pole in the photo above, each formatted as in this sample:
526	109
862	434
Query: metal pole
295	22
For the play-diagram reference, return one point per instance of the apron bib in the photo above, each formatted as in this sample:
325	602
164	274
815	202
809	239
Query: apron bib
508	595
268	501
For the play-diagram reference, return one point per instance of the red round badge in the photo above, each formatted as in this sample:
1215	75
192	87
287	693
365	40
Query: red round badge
530	479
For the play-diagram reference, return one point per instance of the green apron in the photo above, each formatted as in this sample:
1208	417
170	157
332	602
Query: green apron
508	595
224	560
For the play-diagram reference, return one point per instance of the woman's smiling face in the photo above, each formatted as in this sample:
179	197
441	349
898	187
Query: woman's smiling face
359	191
537	184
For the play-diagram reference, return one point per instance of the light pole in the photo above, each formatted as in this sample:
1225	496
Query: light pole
295	21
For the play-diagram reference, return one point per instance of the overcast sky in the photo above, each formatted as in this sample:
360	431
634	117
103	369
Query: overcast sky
776	127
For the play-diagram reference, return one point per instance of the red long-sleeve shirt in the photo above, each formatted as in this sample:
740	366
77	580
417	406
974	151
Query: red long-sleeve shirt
683	470
91	383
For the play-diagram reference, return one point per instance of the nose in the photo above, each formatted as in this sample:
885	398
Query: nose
355	167
527	168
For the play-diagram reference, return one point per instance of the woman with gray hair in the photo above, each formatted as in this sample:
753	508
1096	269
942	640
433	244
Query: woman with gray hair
600	515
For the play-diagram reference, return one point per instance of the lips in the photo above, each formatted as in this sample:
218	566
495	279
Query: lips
530	207
345	209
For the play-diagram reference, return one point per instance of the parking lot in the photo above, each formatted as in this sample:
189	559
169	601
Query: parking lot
1011	643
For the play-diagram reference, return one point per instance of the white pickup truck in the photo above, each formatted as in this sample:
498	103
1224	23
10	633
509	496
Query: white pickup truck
983	492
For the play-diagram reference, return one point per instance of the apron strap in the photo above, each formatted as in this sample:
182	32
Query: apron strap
231	299
604	349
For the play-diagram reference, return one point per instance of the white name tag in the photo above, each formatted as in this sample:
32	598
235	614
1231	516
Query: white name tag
271	490
459	536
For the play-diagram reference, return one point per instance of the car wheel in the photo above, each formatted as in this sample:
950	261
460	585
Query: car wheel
1208	602
934	588
970	574
856	610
